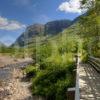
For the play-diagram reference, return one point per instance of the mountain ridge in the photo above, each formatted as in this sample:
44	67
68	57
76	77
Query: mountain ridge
50	28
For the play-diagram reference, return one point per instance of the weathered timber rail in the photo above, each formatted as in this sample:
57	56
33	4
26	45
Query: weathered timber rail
95	62
89	79
74	93
77	92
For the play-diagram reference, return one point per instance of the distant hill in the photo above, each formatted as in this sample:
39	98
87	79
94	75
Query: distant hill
1	44
2	47
50	28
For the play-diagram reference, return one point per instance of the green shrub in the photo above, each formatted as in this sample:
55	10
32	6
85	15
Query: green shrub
53	82
31	71
61	88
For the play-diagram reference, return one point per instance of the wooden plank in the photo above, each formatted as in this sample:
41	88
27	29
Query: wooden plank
89	83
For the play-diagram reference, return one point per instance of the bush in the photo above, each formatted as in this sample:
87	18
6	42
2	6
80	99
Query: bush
31	71
61	88
53	82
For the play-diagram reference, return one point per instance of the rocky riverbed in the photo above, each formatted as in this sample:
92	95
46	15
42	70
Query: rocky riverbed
12	83
16	88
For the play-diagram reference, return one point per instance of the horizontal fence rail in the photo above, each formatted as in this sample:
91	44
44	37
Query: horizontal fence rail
74	92
77	91
95	62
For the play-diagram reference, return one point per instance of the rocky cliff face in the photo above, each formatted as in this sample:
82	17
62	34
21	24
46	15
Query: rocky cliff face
57	26
30	32
50	28
35	29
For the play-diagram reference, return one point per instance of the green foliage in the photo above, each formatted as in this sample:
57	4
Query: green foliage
61	87
53	82
31	71
7	50
55	60
90	26
41	52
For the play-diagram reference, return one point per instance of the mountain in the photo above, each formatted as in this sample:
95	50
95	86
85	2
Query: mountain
35	29
50	28
54	27
30	32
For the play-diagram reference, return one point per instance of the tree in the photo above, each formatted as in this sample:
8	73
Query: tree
90	23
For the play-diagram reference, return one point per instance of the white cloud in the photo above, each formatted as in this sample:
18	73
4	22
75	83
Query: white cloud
6	24
71	6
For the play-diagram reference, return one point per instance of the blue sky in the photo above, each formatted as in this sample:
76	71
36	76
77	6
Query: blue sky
16	15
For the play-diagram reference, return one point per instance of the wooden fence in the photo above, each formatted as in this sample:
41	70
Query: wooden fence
95	62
